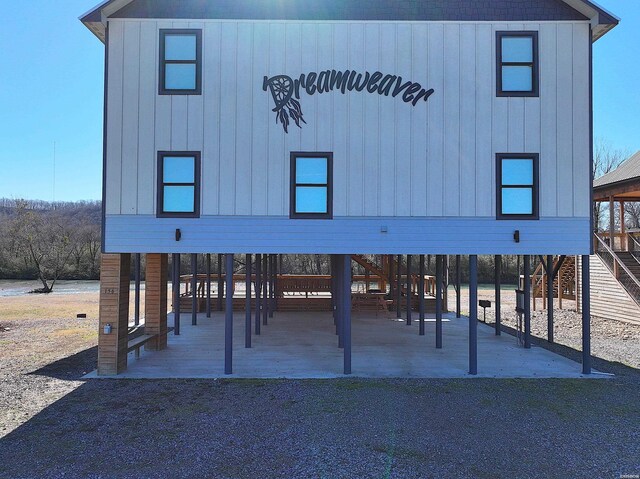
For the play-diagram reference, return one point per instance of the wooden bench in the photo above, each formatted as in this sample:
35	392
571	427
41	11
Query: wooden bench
139	341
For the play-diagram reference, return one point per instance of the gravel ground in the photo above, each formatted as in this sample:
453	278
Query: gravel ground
611	340
55	425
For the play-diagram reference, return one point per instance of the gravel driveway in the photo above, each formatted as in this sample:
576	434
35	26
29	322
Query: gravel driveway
54	425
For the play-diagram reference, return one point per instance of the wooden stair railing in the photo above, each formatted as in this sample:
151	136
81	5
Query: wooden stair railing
618	269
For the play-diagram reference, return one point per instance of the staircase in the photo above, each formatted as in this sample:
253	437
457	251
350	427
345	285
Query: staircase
624	269
630	261
564	280
370	266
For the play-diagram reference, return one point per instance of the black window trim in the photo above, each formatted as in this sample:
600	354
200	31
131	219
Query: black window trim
534	188
329	185
198	61
535	85
160	184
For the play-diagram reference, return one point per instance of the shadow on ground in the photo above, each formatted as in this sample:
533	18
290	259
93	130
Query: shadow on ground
343	428
72	367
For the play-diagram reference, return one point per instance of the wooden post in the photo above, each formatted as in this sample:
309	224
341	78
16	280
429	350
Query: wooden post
155	300
612	224
623	239
114	313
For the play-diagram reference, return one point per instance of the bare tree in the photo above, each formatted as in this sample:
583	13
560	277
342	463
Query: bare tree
606	158
46	241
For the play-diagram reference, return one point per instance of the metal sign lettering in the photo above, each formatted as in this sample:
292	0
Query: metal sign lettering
286	91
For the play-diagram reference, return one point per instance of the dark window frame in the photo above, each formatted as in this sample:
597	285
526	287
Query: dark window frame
160	184
293	214
535	187
535	81
164	32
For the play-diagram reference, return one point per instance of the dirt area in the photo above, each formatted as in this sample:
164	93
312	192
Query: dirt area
44	351
53	424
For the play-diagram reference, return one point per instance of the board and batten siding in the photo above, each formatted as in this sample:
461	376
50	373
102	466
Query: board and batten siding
391	159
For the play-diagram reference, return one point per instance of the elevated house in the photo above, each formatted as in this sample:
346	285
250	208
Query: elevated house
342	128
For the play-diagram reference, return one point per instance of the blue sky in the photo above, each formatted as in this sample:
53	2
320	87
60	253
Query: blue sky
51	91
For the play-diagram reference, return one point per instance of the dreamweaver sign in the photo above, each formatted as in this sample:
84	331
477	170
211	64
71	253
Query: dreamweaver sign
286	91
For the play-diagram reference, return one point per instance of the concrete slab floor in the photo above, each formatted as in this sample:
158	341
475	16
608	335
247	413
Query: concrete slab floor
304	345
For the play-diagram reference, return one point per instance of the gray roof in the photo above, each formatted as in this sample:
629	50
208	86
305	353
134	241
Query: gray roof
601	20
628	170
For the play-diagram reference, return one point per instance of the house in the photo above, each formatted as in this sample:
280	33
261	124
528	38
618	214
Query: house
356	127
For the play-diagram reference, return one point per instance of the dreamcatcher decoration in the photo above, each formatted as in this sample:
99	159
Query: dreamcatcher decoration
281	88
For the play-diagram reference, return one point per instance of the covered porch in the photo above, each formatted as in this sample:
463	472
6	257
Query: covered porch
303	345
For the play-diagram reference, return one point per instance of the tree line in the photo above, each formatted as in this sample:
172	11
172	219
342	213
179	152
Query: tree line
49	241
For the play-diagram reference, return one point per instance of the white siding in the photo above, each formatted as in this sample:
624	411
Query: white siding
391	159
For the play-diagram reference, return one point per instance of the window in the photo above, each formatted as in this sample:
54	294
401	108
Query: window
517	186
311	185
180	62
517	59
178	184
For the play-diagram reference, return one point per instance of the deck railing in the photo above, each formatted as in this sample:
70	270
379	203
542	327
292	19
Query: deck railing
633	246
619	270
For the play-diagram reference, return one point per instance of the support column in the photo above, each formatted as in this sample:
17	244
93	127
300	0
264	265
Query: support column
421	293
194	289
438	302
228	315
340	299
623	239
527	301
346	316
247	302
136	314
258	293
265	283
271	276
473	314
550	278
586	316
409	288
208	285
155	300
458	282
115	270
220	283
498	286
612	223
176	293
399	287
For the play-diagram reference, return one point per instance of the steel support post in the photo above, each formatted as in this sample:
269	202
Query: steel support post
409	293
265	284
258	289
340	299
220	283
439	301
458	284
346	320
175	285
228	315
421	293
498	286
271	276
136	317
586	316
208	285
399	287
473	314
550	278
194	289
247	303
527	301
